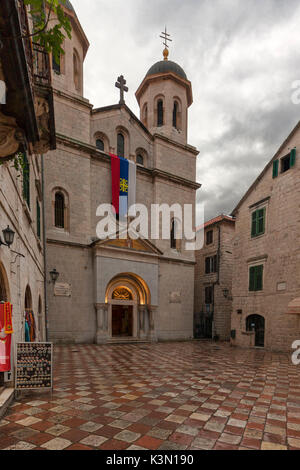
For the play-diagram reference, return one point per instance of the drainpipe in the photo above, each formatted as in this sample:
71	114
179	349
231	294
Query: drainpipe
218	276
44	248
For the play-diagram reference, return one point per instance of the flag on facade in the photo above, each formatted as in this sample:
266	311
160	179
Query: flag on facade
123	177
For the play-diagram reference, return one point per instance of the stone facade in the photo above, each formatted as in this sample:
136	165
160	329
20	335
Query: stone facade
159	278
213	309
276	249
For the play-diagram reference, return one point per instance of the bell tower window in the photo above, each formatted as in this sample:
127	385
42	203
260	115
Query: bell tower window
175	115
160	113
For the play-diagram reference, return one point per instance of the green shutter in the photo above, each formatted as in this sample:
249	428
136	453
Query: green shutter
253	229
252	279
293	157
275	168
261	221
259	278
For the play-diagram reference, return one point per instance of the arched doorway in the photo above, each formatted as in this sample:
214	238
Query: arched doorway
257	323
125	295
28	299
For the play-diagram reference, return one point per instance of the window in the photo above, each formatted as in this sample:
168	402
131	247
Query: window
175	115
59	210
211	264
100	144
56	65
209	237
26	180
160	113
120	145
256	278
173	235
208	295
258	222
286	163
76	70
38	219
145	115
140	159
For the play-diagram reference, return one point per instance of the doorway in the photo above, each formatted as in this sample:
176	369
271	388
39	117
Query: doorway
257	323
122	320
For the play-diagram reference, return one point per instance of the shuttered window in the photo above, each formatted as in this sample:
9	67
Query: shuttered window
258	222
211	264
275	168
256	278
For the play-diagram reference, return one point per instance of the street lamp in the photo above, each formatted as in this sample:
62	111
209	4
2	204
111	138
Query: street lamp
8	235
54	275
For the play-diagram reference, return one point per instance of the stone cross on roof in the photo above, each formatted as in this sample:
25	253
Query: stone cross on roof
121	82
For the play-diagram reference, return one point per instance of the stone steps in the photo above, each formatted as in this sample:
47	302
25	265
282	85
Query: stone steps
6	397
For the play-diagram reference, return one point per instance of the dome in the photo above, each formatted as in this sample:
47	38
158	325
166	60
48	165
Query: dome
165	66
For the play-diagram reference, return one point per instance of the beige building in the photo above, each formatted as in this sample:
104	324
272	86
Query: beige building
213	280
118	289
27	130
266	274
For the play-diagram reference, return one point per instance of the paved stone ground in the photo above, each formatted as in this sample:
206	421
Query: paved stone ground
195	395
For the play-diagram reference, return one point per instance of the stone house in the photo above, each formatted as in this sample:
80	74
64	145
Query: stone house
266	274
213	280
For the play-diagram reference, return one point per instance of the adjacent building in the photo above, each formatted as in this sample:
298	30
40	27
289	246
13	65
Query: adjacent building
213	280
27	131
266	274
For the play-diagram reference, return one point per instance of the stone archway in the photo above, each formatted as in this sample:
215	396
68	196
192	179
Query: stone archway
127	312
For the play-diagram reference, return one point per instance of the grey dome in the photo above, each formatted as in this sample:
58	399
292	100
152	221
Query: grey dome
165	66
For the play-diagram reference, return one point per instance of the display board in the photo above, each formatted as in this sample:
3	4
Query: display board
34	366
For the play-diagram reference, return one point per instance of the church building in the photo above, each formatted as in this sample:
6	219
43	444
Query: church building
123	289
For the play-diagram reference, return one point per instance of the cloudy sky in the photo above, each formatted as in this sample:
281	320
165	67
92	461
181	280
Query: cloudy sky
242	57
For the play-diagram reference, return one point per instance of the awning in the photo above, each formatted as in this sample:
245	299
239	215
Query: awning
294	307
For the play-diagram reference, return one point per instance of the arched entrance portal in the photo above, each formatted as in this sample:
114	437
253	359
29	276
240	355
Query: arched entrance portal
128	301
257	323
4	294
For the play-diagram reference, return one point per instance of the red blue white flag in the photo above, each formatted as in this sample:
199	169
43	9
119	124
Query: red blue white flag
123	177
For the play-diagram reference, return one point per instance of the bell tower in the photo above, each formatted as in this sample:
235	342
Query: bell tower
164	97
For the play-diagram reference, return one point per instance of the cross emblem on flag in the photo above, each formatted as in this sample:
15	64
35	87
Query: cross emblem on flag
123	185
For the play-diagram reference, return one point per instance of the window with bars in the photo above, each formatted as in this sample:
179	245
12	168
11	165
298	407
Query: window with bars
258	222
211	264
26	180
59	210
256	278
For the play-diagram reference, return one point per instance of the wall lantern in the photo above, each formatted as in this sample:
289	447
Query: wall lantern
8	235
54	275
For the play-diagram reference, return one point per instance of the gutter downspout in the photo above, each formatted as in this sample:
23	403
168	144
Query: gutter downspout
218	279
44	248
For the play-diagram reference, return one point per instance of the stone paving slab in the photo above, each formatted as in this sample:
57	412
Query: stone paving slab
167	396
